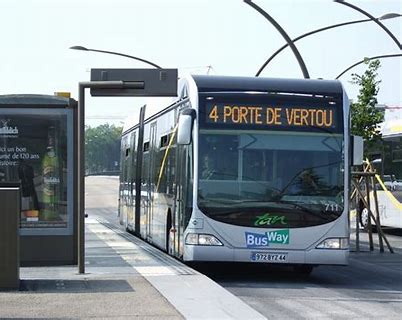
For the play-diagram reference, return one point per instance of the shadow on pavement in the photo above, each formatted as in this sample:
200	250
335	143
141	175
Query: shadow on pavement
75	286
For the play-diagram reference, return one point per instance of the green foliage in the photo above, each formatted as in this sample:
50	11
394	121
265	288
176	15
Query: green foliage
102	148
365	116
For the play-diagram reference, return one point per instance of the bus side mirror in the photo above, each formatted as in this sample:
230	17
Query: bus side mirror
357	150
185	126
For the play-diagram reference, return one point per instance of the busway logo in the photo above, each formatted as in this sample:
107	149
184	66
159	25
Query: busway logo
278	236
261	240
256	240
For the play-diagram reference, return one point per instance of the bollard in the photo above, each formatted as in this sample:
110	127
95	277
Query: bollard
10	203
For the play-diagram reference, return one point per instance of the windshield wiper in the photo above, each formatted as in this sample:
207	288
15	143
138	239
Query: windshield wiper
207	202
304	209
294	204
308	172
218	211
224	213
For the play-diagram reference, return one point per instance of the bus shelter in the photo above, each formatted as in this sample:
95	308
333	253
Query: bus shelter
37	149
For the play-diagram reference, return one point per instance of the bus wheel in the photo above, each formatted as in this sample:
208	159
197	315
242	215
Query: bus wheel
364	217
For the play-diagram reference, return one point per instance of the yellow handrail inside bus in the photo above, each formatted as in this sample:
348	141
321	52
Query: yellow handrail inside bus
165	156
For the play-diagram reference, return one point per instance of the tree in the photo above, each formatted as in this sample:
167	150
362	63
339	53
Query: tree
365	116
102	148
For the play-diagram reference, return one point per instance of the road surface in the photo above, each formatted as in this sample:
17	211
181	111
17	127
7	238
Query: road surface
370	287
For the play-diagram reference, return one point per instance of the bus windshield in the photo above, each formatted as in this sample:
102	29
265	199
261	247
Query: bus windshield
255	178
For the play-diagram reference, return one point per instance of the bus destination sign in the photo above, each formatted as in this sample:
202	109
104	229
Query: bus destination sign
270	116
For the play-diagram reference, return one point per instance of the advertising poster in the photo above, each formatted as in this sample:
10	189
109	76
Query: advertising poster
33	150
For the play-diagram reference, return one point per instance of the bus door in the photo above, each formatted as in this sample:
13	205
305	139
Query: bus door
151	181
131	181
122	212
139	176
184	178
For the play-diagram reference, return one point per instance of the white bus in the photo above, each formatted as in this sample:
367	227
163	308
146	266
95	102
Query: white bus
243	170
388	164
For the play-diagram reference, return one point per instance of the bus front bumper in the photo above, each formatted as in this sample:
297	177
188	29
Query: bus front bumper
266	255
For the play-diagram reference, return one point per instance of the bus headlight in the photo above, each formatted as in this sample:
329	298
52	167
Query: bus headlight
334	243
202	239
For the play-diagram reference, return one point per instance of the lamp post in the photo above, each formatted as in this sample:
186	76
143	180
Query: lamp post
383	17
122	82
117	54
80	172
284	35
377	21
368	59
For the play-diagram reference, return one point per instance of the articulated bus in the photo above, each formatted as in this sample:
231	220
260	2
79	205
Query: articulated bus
242	169
388	163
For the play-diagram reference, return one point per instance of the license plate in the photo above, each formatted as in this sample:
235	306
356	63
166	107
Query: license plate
269	256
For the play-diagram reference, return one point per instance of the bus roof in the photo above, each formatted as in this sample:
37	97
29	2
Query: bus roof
15	100
206	83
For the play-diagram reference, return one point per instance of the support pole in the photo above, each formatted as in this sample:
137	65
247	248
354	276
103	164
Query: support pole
81	177
380	242
372	216
369	226
357	219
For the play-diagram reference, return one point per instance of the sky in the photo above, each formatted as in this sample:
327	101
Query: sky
217	37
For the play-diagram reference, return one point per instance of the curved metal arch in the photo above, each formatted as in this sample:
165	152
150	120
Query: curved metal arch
368	58
372	18
284	35
303	36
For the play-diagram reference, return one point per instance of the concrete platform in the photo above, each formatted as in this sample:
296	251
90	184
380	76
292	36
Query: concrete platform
125	279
